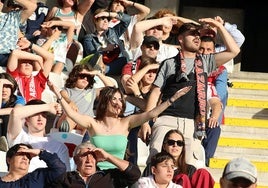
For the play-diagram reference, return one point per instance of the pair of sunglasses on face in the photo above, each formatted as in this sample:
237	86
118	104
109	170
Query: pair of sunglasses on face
103	18
152	46
83	76
60	28
194	32
179	143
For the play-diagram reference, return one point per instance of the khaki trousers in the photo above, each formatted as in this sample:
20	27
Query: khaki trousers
194	150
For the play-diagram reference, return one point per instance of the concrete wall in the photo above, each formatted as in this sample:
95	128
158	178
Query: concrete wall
159	4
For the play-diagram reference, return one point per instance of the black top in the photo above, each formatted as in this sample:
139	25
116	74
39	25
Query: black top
110	178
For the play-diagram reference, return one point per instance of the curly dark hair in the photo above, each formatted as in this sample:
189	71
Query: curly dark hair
73	76
106	95
13	97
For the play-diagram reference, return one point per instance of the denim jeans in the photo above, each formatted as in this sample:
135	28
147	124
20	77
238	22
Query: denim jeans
115	67
4	59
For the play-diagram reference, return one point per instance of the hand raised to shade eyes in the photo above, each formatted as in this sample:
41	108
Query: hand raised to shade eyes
169	21
100	154
32	152
153	66
126	2
23	43
55	108
131	84
93	73
5	81
219	19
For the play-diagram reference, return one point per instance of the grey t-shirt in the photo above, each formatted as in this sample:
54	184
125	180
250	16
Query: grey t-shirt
84	99
170	81
168	68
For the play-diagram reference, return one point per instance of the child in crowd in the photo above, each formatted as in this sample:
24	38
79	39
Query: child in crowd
56	41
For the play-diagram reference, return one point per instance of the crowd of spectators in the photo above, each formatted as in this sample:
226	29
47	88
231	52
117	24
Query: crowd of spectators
125	76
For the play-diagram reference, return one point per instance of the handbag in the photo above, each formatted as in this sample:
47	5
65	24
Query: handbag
109	56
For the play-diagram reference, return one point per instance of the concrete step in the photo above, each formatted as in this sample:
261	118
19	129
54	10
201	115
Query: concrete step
243	122
248	76
246	132
222	155
226	130
245	112
245	129
249	151
252	94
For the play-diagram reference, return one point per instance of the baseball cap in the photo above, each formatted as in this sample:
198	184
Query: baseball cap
240	167
188	27
147	40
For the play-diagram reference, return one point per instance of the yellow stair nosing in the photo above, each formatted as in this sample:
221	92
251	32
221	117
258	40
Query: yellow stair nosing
250	85
218	163
247	103
243	122
243	143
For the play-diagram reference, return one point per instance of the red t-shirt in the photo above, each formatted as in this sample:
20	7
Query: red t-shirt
32	87
131	67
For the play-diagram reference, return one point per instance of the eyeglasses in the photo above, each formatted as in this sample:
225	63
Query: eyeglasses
178	142
60	28
103	18
83	76
152	46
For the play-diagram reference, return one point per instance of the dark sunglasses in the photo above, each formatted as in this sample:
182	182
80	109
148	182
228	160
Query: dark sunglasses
103	18
178	142
193	32
24	153
60	28
83	76
152	46
8	86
